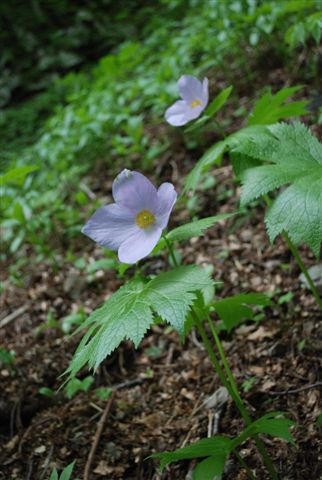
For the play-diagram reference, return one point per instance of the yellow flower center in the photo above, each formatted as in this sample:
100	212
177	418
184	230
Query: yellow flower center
144	219
196	103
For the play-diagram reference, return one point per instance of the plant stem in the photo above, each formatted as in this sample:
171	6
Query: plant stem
232	393
300	263
244	464
298	259
240	404
223	357
171	252
230	385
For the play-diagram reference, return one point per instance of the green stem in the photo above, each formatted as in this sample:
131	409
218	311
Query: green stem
260	445
223	357
298	260
300	263
219	128
230	385
171	252
235	397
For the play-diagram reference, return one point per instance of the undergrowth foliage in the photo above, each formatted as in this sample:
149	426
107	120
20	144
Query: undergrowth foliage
269	157
103	114
265	157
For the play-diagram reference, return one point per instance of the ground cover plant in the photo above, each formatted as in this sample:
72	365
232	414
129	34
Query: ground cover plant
185	344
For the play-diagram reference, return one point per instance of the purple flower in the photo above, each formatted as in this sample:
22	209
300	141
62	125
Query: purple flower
194	96
133	224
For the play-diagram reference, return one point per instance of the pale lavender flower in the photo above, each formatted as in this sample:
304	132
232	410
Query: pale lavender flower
194	96
133	224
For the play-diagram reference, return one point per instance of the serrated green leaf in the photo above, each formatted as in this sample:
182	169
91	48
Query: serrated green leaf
219	101
234	310
129	312
298	211
240	163
211	157
215	153
240	160
207	447
264	179
270	108
296	159
211	466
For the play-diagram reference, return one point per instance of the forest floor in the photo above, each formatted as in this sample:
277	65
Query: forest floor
160	389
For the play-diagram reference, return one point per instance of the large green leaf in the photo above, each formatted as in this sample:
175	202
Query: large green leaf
274	424
192	229
196	228
295	157
207	447
269	109
216	449
211	466
218	102
129	312
234	310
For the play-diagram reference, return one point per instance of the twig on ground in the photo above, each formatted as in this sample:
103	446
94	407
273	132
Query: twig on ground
33	426
29	472
97	437
170	354
13	315
47	461
129	383
297	390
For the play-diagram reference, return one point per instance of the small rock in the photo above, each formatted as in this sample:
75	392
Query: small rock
218	399
40	449
256	281
316	275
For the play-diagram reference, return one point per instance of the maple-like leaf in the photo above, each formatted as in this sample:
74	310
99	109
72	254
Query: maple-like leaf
292	156
129	312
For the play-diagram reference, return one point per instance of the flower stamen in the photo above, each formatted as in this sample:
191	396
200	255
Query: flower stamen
196	103
144	219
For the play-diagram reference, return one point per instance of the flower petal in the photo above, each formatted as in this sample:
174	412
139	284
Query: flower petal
110	226
190	88
181	113
167	197
134	191
139	245
205	92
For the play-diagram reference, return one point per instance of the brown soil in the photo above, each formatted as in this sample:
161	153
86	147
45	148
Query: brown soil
161	387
